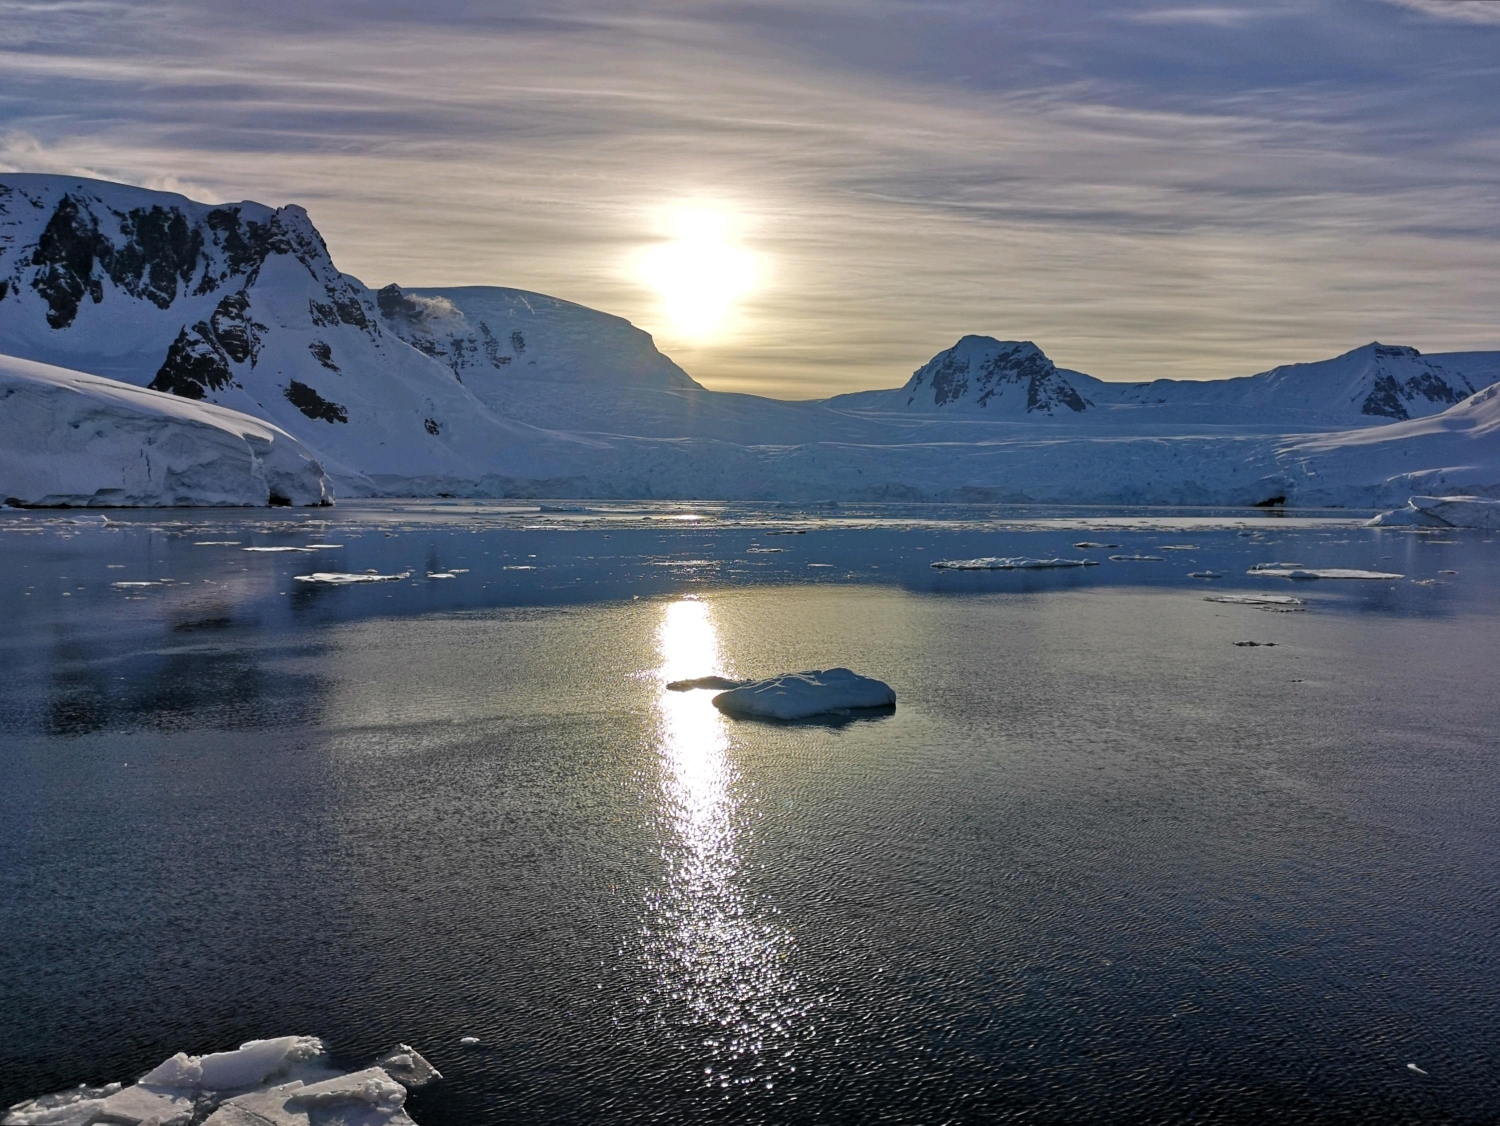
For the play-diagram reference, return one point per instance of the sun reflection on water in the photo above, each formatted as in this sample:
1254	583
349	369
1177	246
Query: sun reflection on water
718	962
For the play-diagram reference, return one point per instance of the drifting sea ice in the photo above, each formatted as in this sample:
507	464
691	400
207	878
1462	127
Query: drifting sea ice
344	578
286	1081
1322	573
1137	559
1260	601
1019	563
719	682
801	695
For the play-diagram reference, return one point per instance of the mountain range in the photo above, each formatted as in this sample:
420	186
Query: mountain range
494	391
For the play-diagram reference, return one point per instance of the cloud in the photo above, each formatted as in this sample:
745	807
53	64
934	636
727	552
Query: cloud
1464	11
1143	194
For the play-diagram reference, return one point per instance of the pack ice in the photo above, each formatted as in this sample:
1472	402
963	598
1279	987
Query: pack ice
1443	512
285	1081
801	695
76	439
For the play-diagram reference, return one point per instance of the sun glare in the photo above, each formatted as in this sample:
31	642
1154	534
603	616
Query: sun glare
700	274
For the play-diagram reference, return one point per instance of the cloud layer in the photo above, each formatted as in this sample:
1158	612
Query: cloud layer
1144	189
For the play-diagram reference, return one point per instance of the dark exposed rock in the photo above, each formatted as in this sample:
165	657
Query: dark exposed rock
161	248
396	306
517	341
1435	389
491	347
236	333
195	364
1271	502
310	403
4	289
69	246
1384	400
324	316
952	374
431	426
323	354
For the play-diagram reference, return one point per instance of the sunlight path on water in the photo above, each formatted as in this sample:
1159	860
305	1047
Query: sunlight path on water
717	961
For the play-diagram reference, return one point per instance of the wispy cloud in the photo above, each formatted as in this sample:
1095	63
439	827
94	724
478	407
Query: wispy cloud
1465	11
1142	195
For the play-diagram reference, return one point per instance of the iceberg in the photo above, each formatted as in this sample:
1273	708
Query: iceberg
284	1081
994	563
802	695
1262	601
1442	512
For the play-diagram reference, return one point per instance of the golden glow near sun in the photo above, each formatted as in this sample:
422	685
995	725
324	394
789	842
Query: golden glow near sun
700	273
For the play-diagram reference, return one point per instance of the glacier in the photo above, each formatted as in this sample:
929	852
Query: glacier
484	391
67	438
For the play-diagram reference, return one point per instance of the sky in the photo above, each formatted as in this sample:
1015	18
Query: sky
1145	188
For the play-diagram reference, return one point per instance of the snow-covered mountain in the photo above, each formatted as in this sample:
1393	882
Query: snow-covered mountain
980	377
76	439
490	391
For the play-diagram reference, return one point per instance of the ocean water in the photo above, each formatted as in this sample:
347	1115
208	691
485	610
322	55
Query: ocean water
1103	863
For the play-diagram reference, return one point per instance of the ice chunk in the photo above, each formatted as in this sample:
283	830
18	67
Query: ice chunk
1088	545
344	578
273	549
372	1086
1019	563
1322	573
1137	559
251	1063
1205	574
407	1066
468	1041
720	682
1443	512
77	1107
139	1104
800	695
1255	599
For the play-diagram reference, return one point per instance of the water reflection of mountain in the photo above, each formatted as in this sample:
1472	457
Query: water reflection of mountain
202	668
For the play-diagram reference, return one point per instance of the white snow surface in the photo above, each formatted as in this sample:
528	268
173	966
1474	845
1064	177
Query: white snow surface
285	1081
1323	573
77	439
484	391
801	695
1443	512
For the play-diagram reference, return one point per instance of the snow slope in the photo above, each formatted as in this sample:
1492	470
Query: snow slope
71	438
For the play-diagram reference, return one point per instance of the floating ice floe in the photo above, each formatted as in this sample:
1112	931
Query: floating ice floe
286	1081
570	509
1205	574
1263	601
1137	559
1019	563
801	695
322	546
468	1041
277	549
1442	512
1087	545
451	573
216	543
1176	547
719	682
1322	573
130	584
344	578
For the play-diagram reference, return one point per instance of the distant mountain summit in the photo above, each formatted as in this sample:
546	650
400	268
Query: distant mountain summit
1002	377
981	377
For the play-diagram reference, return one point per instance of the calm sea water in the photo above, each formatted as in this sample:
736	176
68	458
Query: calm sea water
1102	864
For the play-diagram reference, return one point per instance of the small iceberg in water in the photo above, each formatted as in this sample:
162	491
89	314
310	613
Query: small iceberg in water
1020	563
802	695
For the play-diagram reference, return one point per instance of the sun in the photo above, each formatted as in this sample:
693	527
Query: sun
700	274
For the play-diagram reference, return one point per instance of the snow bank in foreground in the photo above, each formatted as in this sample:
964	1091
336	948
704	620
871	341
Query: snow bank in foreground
799	695
998	563
286	1081
1443	512
76	439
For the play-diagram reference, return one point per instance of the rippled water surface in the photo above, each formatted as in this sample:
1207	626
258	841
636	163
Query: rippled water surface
1101	864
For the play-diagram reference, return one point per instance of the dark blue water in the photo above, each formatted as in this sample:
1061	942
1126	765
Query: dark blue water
1102	863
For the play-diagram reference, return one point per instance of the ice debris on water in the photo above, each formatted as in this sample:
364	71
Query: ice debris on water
344	578
285	1081
1018	563
1136	559
1088	545
1414	1067
719	682
1205	574
1285	572
468	1041
802	695
277	549
1259	601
